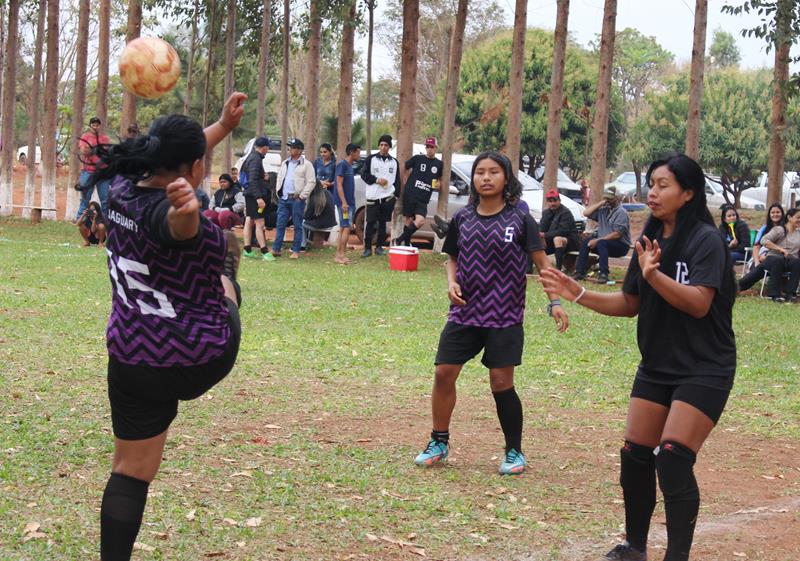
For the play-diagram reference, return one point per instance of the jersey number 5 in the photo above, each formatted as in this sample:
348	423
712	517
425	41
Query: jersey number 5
126	266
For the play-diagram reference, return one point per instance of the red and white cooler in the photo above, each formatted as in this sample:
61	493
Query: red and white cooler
403	258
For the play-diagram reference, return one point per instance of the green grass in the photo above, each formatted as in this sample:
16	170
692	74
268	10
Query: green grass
340	359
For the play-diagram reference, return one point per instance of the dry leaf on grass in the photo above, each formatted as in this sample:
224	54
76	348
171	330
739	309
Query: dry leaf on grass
190	514
254	522
31	532
245	473
143	547
371	537
273	427
214	554
230	521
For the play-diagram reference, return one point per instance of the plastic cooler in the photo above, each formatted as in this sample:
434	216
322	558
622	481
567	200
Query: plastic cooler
402	258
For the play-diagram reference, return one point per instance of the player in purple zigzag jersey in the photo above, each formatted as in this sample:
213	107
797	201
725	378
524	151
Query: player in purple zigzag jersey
488	243
174	327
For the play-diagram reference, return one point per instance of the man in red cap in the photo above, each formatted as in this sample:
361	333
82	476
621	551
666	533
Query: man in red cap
424	175
557	228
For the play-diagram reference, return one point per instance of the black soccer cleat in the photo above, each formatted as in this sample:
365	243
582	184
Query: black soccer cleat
625	552
440	226
230	267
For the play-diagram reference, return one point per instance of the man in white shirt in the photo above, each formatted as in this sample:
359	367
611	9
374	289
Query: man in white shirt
296	180
381	174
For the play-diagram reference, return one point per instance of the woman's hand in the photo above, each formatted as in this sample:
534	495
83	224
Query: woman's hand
556	282
649	257
233	110
454	293
734	244
181	195
561	318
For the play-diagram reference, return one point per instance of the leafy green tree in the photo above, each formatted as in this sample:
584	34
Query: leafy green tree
483	97
723	52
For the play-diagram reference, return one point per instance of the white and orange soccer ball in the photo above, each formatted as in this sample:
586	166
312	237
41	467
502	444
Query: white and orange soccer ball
149	67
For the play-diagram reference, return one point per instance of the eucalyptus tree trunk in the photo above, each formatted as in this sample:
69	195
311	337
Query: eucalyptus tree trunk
603	101
696	82
556	102
35	102
345	122
103	35
50	106
777	148
128	99
230	55
370	39
513	130
284	110
78	102
187	100
210	67
312	78
263	66
450	98
9	98
408	93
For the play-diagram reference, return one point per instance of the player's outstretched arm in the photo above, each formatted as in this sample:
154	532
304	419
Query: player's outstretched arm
557	311
232	113
184	216
606	303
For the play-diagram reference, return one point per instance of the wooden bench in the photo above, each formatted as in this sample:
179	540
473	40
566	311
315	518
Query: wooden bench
36	211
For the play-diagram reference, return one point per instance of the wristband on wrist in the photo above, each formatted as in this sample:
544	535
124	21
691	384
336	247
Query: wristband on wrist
579	296
553	303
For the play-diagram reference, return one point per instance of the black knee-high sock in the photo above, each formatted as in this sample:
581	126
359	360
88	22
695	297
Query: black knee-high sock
509	411
560	251
637	477
121	516
408	231
675	464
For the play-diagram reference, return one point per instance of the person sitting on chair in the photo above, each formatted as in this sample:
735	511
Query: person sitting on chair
783	243
735	230
613	235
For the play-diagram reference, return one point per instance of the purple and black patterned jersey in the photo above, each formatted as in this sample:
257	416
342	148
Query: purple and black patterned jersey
491	255
168	305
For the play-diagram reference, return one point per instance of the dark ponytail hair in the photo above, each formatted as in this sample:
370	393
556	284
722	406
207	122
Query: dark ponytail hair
512	190
171	143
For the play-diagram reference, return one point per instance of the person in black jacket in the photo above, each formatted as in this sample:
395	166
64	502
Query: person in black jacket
557	228
228	205
256	195
381	173
735	230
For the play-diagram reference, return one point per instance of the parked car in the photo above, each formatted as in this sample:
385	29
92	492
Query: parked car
626	184
272	161
715	197
458	196
791	186
564	184
22	154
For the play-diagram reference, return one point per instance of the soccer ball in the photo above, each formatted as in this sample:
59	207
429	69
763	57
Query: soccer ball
149	67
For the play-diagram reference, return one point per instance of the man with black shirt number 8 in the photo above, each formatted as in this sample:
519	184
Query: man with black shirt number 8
424	177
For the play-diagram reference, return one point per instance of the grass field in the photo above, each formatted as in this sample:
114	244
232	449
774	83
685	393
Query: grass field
305	451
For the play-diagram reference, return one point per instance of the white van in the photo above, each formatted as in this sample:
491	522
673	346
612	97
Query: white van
791	185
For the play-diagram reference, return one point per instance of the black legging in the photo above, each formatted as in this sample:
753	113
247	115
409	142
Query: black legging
379	212
776	265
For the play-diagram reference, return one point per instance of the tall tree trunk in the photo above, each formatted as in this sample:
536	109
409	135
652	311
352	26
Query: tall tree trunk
370	38
312	78
284	110
450	98
777	149
210	67
78	103
263	67
2	50
556	103
187	101
35	102
408	82
345	122
696	83
9	101
50	106
128	99
513	129
230	56
603	101
103	35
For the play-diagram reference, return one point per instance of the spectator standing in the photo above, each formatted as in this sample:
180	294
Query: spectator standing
586	192
228	204
557	228
424	177
345	198
296	181
256	195
612	238
87	145
92	225
735	230
381	173
325	166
